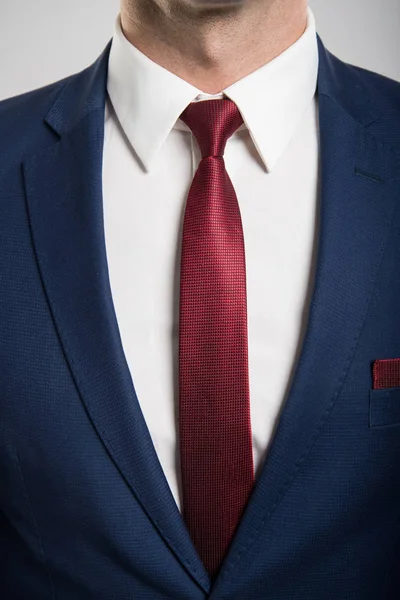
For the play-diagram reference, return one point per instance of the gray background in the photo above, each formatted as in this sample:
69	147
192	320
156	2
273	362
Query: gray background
44	40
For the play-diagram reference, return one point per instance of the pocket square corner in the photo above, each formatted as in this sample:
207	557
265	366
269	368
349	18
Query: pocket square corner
386	373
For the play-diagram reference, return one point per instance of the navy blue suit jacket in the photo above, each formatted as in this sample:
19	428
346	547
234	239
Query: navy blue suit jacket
86	512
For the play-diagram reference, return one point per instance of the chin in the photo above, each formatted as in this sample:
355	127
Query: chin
219	3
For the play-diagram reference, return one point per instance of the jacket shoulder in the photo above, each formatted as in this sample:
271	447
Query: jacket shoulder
384	90
21	122
384	94
370	98
31	97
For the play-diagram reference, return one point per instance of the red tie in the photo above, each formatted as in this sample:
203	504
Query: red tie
214	401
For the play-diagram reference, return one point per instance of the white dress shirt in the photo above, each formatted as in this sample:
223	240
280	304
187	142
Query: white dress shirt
150	158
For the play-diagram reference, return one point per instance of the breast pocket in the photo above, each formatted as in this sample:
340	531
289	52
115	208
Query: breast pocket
384	407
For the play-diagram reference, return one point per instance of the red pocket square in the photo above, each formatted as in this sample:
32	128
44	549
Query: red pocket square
386	373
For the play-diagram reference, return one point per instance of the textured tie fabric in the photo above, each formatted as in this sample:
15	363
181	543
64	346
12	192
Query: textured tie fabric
214	401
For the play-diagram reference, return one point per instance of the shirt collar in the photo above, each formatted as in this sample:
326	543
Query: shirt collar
148	99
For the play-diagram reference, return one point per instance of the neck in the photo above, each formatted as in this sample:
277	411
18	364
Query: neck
212	48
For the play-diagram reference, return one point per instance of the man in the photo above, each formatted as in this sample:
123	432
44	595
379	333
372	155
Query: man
209	213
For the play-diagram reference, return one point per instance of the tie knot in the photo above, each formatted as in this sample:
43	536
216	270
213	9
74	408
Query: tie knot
212	122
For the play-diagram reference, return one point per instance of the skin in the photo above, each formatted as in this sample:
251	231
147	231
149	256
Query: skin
212	43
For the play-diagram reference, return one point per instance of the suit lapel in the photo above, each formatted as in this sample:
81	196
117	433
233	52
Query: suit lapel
357	199
64	200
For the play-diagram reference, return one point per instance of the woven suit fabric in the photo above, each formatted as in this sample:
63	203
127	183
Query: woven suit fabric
214	404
